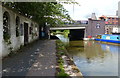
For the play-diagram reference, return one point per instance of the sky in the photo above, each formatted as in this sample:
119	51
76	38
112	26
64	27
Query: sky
87	7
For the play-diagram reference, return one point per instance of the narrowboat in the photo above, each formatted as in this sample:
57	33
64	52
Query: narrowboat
88	38
108	38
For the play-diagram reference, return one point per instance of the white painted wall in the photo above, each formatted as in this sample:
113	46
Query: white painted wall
16	41
1	29
116	30
1	37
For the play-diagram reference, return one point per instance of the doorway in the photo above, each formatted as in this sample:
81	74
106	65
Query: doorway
25	33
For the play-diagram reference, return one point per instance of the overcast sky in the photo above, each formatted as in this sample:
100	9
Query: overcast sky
100	7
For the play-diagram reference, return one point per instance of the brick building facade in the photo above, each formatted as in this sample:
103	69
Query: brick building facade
119	14
95	27
110	20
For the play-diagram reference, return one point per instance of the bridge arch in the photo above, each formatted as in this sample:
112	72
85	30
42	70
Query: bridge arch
76	32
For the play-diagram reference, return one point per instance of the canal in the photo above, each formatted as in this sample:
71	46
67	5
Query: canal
93	58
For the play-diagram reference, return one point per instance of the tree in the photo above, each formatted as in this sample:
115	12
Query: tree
52	13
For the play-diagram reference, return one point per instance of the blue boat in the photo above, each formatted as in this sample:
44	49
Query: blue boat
108	38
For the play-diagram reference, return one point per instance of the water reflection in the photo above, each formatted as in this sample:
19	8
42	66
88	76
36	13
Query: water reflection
93	58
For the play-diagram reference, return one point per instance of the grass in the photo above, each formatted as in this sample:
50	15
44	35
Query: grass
60	52
62	73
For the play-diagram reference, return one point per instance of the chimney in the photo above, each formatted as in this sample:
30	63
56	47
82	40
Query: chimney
93	17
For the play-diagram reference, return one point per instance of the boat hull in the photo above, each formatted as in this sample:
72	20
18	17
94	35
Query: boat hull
105	40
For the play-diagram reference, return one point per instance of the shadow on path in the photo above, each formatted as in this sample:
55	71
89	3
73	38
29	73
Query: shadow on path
37	59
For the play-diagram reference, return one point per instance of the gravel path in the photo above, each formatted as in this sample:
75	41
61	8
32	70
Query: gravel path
36	59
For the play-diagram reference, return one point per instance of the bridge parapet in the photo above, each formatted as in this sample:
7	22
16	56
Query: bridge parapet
66	28
71	25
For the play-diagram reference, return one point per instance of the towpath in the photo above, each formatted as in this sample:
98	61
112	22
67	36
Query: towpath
36	59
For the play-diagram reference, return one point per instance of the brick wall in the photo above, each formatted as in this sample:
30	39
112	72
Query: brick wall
95	27
119	14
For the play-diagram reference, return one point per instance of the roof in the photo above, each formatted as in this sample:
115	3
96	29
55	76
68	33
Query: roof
105	16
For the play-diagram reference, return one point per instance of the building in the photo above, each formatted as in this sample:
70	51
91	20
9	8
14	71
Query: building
111	21
119	13
109	28
80	22
95	26
116	30
15	31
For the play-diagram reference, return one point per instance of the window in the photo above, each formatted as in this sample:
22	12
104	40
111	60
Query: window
21	29
17	26
116	18
117	37
36	29
109	18
112	18
31	29
113	23
106	19
98	25
6	26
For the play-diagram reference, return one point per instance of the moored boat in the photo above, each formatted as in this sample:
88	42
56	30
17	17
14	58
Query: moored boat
108	38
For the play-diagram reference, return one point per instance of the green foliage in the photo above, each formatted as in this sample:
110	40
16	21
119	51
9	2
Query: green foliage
51	13
62	73
66	32
11	52
59	43
60	61
7	38
60	47
61	53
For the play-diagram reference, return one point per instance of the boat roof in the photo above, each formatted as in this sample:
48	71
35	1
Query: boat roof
109	34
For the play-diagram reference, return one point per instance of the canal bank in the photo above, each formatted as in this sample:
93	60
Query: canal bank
40	59
65	65
94	58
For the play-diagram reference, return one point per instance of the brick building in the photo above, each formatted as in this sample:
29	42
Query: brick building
81	22
119	14
110	19
95	26
111	22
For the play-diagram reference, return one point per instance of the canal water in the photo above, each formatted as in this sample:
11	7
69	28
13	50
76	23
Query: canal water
93	58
